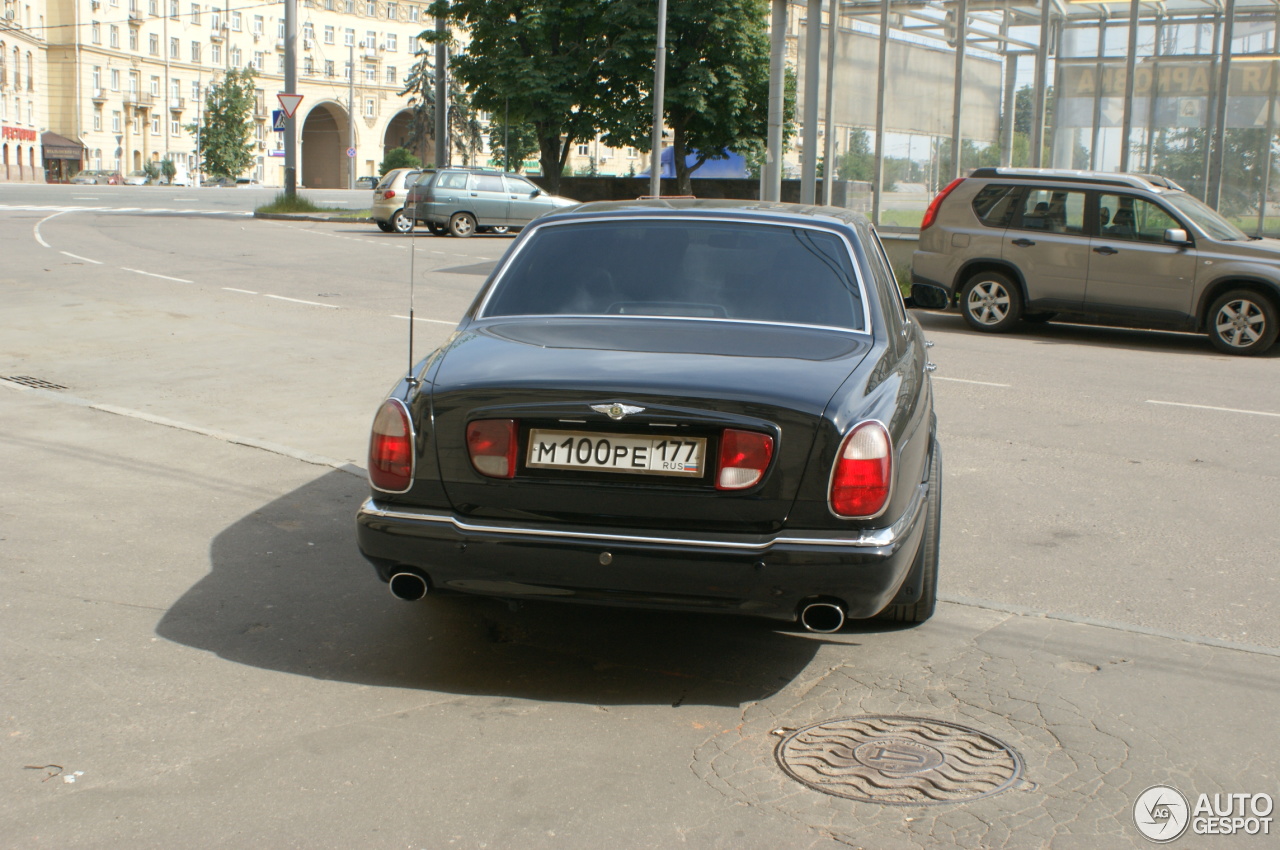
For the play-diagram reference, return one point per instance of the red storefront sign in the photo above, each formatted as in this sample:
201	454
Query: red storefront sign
22	134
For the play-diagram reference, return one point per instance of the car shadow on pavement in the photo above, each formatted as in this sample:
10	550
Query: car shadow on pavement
1062	332
288	591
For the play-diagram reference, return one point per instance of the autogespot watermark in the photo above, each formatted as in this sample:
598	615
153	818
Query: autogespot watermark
1162	814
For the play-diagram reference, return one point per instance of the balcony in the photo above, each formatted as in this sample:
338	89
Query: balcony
177	104
135	18
99	95
218	34
138	100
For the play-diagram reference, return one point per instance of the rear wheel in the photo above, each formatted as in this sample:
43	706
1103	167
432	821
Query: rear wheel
401	223
383	226
437	229
924	572
1243	322
462	224
500	229
991	302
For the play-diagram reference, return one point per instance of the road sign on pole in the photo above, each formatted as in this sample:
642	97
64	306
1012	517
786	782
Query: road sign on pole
351	152
277	120
289	102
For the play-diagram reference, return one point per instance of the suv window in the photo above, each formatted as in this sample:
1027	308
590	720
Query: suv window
452	180
518	185
1134	219
487	183
994	205
1053	211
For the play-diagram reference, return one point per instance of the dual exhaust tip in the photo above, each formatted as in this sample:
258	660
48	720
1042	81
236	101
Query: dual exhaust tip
821	617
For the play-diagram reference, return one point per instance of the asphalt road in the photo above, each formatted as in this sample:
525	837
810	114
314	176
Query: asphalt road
186	620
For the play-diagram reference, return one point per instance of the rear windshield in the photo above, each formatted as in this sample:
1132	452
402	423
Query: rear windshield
690	269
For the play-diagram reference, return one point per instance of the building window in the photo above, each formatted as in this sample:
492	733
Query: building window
370	40
280	63
257	60
328	4
155	125
215	20
348	37
173	9
308	66
328	68
370	73
195	52
631	153
234	56
115	79
155	86
413	14
349	6
584	150
133	39
113	37
215	54
391	75
328	35
95	32
195	14
175	129
346	70
153	45
371	8
137	123
237	21
369	108
96	76
308	32
195	90
257	25
392	12
97	118
135	82
391	41
115	122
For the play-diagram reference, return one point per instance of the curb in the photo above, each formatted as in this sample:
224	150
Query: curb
310	217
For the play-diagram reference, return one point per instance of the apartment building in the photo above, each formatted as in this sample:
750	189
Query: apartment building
128	78
23	92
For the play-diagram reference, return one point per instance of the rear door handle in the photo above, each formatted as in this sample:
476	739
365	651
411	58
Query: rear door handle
1105	249
1022	243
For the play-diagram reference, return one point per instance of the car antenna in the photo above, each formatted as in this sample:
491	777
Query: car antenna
410	378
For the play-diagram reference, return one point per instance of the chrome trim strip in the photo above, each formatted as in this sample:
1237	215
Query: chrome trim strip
874	539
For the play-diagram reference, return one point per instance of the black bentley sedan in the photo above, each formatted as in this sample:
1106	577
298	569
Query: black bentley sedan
679	404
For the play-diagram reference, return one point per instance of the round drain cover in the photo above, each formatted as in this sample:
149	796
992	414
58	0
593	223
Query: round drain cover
906	761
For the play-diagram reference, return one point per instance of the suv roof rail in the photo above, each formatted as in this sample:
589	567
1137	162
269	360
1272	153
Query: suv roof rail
1136	181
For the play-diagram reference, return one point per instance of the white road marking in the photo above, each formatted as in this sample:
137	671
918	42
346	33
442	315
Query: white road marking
300	301
36	228
78	257
963	381
245	291
76	198
153	274
1210	407
420	319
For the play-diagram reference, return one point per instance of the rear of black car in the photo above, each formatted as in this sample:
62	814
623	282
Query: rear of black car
646	407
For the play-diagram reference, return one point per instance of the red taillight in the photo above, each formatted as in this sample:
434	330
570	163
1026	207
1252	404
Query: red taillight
931	214
492	444
744	456
389	194
860	480
391	448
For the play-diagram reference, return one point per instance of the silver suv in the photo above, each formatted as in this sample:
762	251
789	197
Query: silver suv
1133	249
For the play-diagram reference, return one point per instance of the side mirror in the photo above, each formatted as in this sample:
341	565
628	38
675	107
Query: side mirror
1176	236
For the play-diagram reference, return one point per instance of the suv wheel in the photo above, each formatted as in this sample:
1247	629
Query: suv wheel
991	302
401	223
462	224
1242	322
383	226
437	229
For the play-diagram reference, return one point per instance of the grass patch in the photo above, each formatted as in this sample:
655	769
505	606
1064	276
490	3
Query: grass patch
282	203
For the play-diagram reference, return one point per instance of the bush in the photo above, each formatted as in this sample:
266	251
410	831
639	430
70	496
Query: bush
398	158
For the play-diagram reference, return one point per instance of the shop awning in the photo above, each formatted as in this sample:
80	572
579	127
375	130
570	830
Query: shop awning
60	147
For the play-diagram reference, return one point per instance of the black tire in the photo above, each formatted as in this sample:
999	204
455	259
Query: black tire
991	302
437	229
1242	322
401	223
902	609
500	229
383	226
1039	318
462	225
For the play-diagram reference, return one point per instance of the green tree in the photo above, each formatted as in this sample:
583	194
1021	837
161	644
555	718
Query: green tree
543	60
398	158
226	134
521	138
1179	154
717	78
168	169
465	131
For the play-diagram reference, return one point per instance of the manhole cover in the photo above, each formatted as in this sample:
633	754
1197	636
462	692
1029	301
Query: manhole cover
906	761
37	383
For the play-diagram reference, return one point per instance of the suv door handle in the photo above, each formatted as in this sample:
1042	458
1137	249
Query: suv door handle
1022	243
1105	249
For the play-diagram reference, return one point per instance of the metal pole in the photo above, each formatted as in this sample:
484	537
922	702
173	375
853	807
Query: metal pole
1152	98
1010	100
1212	102
291	87
772	188
1130	62
351	118
1042	71
442	125
659	94
957	94
1220	118
812	80
506	134
882	68
828	149
1096	131
1269	140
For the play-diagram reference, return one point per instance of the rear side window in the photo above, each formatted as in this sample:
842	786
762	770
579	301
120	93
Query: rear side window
452	180
487	183
689	269
1053	211
994	205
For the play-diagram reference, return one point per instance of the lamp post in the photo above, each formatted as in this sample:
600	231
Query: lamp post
659	86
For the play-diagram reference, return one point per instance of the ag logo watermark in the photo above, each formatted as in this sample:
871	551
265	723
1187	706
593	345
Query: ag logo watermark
1162	814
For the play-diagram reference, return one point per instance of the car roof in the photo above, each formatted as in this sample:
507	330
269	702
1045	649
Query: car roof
713	208
1151	182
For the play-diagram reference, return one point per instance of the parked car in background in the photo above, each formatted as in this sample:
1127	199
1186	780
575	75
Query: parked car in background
366	182
462	201
137	178
1131	249
717	406
98	178
219	182
389	197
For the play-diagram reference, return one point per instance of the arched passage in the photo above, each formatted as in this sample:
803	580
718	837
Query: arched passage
397	134
324	147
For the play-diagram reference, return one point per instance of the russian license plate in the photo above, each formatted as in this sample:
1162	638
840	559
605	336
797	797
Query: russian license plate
646	455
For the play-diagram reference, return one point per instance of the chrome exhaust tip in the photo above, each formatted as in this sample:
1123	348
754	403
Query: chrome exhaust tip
408	586
822	617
